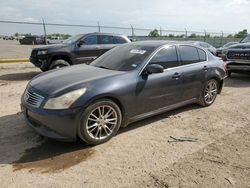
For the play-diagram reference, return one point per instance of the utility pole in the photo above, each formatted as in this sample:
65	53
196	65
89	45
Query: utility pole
99	27
45	34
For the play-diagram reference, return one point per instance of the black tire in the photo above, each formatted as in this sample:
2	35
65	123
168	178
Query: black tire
206	95
43	69
229	73
95	132
59	64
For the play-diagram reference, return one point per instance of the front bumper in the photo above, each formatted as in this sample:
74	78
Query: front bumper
56	124
238	66
40	62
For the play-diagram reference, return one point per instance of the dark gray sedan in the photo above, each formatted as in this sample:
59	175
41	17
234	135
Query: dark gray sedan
128	83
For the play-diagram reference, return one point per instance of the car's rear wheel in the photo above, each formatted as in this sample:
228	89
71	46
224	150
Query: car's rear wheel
209	93
100	122
229	73
59	64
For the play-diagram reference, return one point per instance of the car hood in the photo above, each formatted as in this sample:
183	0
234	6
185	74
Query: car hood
56	82
48	47
240	46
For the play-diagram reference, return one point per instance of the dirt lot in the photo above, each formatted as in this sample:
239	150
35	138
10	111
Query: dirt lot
12	49
140	155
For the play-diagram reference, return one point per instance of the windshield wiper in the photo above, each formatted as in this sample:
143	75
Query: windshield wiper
103	67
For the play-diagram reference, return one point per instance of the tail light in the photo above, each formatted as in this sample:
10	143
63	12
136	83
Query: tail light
225	65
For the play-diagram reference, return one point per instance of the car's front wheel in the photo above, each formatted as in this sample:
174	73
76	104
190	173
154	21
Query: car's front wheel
59	64
100	122
209	93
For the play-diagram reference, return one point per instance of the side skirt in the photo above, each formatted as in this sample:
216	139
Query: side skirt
161	110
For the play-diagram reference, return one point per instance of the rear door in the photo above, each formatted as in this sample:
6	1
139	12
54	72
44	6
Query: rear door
106	42
88	51
194	67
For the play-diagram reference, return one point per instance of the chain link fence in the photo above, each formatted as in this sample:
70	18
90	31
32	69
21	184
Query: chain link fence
45	28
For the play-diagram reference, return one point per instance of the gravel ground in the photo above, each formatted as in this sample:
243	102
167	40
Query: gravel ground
140	155
11	49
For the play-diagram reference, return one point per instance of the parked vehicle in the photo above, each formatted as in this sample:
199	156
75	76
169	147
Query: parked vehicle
206	46
55	40
83	48
238	57
219	50
8	38
32	40
130	82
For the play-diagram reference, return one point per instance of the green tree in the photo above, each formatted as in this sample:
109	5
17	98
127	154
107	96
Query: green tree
193	35
241	34
154	33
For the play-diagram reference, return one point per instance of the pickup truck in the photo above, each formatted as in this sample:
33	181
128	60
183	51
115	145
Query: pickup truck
82	48
237	57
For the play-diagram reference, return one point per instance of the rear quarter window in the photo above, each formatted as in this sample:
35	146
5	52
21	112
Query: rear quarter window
119	40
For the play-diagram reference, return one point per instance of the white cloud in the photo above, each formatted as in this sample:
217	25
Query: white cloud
212	15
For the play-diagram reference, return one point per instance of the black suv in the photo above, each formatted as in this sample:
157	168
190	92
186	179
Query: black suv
82	48
238	57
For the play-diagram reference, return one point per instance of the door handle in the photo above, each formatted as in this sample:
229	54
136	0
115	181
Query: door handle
205	68
98	47
176	75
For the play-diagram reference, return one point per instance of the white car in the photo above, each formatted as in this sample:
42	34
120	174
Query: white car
55	40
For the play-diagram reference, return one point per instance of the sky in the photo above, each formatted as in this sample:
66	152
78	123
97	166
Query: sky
229	16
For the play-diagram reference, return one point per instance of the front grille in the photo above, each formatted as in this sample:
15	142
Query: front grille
33	99
239	55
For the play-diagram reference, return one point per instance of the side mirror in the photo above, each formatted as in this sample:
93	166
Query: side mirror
80	43
154	68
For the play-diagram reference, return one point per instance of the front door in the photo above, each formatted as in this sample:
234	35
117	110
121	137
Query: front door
87	49
160	90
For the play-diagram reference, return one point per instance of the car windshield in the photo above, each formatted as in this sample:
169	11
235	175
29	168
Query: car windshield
247	39
124	58
72	39
229	44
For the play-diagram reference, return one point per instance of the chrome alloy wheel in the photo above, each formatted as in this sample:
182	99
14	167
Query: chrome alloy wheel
211	92
101	122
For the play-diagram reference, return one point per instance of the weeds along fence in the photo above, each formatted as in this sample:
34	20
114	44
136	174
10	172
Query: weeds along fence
45	28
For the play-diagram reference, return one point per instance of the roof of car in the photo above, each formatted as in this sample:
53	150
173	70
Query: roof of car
99	33
158	43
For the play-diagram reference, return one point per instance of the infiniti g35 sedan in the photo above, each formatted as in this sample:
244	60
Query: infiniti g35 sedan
126	84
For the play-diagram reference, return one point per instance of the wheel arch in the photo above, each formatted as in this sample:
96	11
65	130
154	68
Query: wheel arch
65	57
220	82
115	100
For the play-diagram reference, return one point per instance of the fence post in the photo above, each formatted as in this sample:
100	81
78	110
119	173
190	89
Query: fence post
186	33
99	27
205	36
45	34
160	32
132	31
222	34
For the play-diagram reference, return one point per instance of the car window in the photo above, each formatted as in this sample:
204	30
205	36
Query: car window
119	40
89	40
188	55
106	39
166	57
202	55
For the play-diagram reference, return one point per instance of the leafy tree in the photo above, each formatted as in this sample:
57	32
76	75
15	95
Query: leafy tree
193	35
154	33
241	34
171	36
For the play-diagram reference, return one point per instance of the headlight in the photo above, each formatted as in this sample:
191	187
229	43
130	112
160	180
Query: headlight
64	101
42	52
